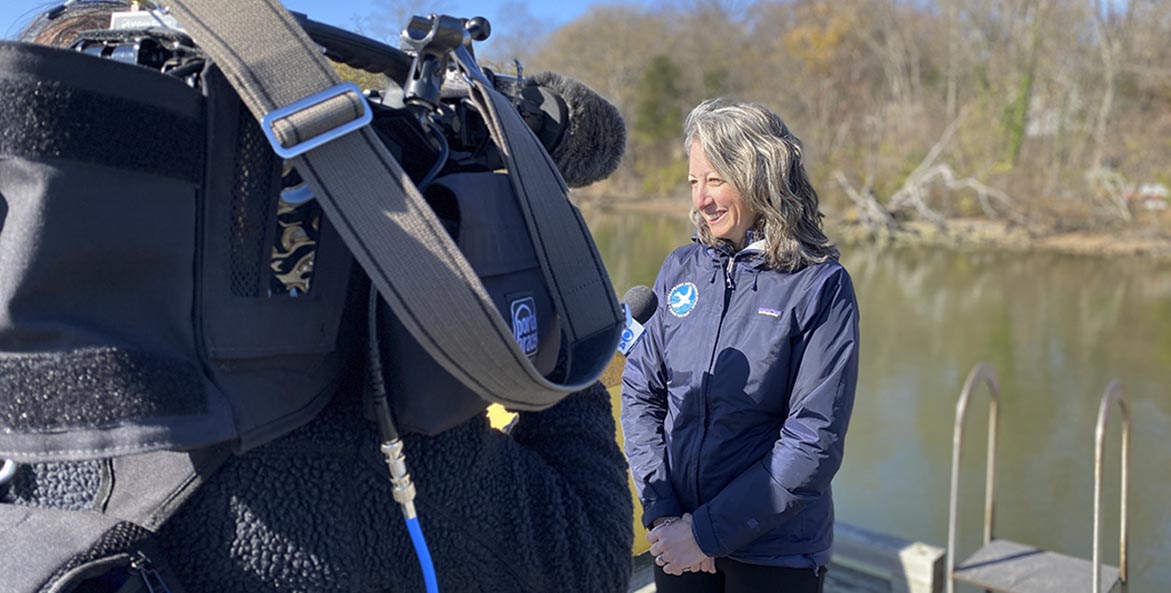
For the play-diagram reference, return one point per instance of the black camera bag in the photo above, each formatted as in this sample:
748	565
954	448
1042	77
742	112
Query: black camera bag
135	237
136	229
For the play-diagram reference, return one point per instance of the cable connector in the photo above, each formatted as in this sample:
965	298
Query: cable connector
400	478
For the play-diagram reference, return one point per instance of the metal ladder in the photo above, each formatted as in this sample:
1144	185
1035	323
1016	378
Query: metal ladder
1009	567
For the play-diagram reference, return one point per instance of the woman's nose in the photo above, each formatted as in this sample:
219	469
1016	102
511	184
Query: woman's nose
699	196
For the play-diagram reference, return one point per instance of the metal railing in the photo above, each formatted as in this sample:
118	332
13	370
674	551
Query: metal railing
982	373
1114	393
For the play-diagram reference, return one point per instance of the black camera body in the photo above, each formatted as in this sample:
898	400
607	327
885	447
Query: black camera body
235	310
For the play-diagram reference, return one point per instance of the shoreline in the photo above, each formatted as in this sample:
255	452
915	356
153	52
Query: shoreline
961	233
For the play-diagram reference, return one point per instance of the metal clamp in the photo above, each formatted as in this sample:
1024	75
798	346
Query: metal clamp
288	152
435	40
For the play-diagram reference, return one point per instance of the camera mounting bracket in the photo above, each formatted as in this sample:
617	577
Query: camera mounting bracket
434	40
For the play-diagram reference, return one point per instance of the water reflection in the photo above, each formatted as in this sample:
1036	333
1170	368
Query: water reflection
1057	328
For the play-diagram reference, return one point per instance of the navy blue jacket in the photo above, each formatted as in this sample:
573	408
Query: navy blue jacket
736	402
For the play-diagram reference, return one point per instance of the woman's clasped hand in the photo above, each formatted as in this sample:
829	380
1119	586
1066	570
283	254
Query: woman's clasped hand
675	550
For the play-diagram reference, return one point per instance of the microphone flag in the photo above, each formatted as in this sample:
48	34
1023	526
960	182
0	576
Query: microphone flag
631	333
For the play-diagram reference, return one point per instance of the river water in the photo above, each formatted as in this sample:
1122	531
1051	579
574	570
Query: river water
1057	329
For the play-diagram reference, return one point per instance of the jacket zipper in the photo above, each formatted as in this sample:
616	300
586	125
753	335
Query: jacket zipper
705	398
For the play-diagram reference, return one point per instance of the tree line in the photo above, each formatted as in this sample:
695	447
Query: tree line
1054	114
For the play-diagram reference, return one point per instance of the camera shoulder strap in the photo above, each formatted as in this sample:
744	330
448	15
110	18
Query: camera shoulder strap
280	75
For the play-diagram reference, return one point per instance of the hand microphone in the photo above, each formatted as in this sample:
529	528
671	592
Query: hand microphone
642	302
639	304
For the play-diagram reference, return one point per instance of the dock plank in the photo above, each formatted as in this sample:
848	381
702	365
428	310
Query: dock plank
1008	567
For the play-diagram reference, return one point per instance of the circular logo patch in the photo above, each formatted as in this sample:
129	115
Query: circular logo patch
524	325
681	300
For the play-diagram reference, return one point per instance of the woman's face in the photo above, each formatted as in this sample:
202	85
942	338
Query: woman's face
727	215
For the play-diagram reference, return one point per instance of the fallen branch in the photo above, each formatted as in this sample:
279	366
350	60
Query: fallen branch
912	192
983	192
871	213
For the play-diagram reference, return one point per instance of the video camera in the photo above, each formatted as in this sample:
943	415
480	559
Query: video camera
423	80
274	324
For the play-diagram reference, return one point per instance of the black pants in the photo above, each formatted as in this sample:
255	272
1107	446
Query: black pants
737	577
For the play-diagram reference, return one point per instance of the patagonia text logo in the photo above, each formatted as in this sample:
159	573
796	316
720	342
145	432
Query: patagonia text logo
524	325
770	312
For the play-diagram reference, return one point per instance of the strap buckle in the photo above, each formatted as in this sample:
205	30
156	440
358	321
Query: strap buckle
321	137
7	471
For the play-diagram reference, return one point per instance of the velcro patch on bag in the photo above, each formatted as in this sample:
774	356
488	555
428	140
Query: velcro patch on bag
94	388
62	104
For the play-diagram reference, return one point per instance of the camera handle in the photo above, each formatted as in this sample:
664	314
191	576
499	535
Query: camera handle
434	40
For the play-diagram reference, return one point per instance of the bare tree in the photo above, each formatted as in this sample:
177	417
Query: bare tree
1111	37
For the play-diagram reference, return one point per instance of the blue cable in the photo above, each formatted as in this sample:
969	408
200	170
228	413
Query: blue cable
392	447
424	555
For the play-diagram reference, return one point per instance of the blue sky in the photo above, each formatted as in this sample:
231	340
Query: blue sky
504	14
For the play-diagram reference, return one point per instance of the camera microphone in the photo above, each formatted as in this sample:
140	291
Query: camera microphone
583	132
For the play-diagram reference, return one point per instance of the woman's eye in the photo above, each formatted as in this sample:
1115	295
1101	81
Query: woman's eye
715	181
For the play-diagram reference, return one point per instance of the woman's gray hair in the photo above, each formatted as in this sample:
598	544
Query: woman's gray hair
755	151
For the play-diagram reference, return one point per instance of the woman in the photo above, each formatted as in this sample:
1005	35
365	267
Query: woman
736	401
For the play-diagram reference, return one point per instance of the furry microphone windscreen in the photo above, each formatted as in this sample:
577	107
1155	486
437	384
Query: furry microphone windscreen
592	147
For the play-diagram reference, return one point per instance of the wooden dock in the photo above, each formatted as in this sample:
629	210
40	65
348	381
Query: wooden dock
863	562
